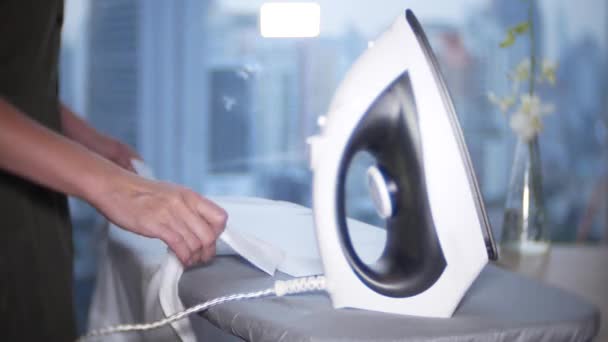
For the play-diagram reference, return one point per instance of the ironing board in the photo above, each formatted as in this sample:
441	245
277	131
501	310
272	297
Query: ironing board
500	306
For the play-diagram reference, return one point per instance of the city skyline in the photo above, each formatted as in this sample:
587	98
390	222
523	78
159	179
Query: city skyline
286	85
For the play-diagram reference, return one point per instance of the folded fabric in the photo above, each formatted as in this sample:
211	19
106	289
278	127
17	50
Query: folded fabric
289	229
261	254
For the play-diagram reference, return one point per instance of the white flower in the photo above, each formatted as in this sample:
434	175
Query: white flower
532	105
526	122
525	126
548	71
504	104
522	71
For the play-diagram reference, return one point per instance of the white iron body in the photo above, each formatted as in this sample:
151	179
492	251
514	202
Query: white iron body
453	202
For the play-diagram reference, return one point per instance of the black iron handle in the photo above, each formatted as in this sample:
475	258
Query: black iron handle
412	259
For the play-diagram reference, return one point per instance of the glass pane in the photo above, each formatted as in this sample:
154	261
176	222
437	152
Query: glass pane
213	105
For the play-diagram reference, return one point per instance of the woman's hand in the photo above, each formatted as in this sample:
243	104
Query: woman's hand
117	152
187	222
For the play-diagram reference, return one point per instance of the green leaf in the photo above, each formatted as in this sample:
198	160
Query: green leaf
521	28
515	31
509	40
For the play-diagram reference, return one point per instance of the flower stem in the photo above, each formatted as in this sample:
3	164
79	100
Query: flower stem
532	32
533	145
536	187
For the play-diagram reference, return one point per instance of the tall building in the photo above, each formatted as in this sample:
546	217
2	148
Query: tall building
112	91
146	81
578	165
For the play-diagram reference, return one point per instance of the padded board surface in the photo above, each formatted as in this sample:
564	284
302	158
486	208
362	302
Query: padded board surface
500	306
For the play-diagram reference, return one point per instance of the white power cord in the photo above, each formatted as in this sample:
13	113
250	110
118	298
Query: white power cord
280	288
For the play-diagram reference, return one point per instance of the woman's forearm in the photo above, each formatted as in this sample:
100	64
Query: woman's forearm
47	158
79	130
186	221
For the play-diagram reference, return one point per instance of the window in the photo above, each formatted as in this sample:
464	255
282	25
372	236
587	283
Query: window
213	105
232	118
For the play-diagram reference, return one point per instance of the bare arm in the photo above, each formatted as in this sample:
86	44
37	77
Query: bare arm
186	221
48	158
80	131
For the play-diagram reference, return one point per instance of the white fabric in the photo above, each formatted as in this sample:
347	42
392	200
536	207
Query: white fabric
128	285
138	280
232	241
289	228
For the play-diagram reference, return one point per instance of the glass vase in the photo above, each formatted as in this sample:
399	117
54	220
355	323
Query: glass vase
525	242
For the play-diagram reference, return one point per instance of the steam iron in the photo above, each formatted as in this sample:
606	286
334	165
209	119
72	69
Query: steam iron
394	104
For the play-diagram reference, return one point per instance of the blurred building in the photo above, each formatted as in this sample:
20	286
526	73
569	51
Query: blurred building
112	90
212	105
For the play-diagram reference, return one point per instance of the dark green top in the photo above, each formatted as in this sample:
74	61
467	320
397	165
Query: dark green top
35	231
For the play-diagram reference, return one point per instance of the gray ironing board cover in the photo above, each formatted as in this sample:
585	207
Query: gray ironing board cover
500	306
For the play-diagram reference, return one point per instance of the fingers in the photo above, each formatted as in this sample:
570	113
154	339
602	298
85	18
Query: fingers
176	242
125	162
192	241
179	236
125	158
208	253
200	222
201	231
122	156
187	222
209	211
205	219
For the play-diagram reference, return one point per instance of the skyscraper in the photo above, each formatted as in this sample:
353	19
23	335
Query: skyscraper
112	78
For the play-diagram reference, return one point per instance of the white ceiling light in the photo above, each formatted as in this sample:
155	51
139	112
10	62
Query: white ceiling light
290	19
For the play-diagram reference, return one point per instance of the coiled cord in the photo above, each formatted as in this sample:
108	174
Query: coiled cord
280	288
